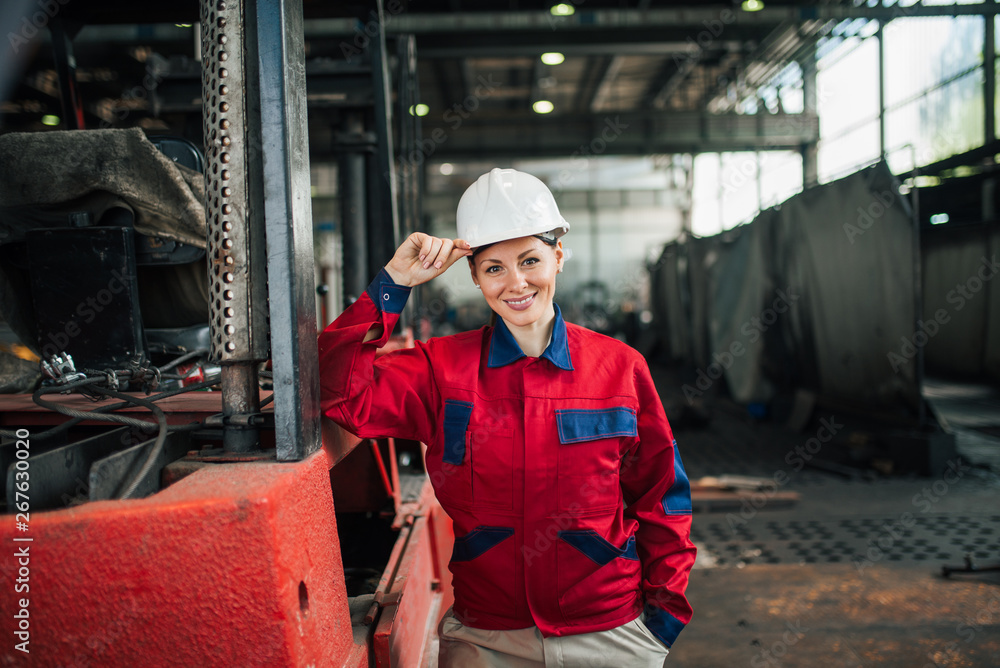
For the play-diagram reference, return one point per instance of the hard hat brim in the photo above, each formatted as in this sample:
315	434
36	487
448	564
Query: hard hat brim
507	235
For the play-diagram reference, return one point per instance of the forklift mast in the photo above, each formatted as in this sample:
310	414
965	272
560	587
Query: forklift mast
253	93
294	543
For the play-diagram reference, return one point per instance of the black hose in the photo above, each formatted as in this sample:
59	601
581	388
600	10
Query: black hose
161	437
91	386
86	415
103	414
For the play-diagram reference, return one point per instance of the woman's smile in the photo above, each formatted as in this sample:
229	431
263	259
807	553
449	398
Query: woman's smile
521	304
518	280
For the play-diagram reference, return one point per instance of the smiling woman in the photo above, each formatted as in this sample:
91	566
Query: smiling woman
546	443
518	280
513	217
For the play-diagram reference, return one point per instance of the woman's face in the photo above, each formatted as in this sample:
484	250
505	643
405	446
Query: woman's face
518	278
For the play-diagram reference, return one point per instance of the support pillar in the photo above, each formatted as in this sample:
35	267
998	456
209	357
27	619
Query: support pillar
280	51
354	206
234	204
810	150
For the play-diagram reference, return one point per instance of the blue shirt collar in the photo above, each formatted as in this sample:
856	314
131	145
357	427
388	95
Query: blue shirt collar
504	348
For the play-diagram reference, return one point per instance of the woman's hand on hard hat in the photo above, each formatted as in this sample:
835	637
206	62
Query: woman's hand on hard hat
422	257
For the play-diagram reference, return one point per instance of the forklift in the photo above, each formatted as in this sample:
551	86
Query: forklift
173	494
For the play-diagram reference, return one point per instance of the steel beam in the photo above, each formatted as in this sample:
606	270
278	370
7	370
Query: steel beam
695	17
409	136
69	91
383	232
809	149
989	79
606	83
537	72
880	37
444	88
583	95
690	20
614	43
768	59
288	221
576	136
680	74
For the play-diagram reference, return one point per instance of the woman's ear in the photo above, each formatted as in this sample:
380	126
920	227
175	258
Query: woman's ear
560	256
472	270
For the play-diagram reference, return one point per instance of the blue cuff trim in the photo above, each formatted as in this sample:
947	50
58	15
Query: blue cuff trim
576	425
456	422
677	500
478	541
388	297
664	626
596	548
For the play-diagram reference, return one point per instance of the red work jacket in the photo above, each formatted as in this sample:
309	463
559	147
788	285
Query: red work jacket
571	507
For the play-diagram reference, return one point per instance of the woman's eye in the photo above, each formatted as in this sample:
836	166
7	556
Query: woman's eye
531	260
492	270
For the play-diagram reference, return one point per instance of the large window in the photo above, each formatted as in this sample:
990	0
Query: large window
731	188
933	92
934	105
847	101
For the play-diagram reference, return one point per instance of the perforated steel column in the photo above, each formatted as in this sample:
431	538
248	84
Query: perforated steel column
237	269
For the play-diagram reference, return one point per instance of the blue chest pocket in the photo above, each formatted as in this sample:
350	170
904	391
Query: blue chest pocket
590	450
578	425
456	422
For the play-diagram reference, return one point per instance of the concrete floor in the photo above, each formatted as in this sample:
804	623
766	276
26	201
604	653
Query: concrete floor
816	615
851	574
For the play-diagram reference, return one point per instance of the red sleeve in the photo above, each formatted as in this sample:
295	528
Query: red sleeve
393	395
658	496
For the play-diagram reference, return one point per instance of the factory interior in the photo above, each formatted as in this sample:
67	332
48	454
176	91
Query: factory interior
788	207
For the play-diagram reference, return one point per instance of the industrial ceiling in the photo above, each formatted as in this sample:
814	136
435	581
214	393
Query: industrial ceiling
637	76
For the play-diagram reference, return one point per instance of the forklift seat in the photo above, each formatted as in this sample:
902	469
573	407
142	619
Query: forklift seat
79	276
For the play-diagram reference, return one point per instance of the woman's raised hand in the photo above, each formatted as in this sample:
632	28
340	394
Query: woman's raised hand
422	257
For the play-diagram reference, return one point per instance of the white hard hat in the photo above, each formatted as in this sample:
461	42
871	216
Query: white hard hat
507	204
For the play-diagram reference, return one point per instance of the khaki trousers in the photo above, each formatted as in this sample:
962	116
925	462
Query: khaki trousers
630	645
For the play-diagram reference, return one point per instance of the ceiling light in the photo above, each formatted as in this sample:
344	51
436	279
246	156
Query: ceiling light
940	218
447	168
552	58
543	107
49	119
752	5
563	9
419	110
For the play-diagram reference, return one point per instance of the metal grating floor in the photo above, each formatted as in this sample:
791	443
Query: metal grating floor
859	541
